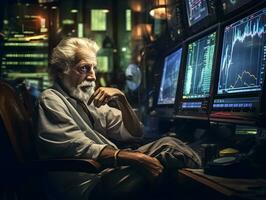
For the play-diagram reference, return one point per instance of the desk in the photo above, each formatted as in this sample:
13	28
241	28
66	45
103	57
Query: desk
212	187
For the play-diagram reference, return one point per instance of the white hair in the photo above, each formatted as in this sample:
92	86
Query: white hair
63	55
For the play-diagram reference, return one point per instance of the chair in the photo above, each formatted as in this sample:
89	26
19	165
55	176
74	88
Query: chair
20	169
26	98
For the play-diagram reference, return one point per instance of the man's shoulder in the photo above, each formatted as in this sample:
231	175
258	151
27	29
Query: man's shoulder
53	100
54	90
50	93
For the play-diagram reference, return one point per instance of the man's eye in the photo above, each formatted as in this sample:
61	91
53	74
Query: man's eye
84	69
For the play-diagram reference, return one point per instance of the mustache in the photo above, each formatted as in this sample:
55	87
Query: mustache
87	84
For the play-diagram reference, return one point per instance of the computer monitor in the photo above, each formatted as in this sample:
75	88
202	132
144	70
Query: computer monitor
168	86
200	14
232	5
196	10
198	74
242	61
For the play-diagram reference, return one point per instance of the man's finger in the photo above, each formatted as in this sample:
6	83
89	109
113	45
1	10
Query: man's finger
100	99
93	96
90	100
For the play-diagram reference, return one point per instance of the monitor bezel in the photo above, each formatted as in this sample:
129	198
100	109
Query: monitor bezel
240	116
180	99
219	55
162	61
209	20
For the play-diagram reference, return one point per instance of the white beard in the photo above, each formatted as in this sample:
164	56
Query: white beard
82	92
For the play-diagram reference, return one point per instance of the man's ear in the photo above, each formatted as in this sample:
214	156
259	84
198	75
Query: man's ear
60	75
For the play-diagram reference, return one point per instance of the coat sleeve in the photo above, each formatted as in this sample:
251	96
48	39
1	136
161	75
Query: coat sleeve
111	124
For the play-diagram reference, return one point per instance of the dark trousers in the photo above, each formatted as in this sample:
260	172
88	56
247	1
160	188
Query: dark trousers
133	182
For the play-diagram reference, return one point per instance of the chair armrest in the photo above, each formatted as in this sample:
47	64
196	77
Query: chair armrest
17	173
39	166
78	165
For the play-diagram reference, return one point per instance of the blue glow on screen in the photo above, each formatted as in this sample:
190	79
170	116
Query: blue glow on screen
196	10
169	80
243	55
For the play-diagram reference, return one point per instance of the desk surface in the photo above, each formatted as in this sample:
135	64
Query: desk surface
242	188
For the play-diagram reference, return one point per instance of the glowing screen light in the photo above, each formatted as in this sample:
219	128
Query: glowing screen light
196	10
243	55
170	78
199	67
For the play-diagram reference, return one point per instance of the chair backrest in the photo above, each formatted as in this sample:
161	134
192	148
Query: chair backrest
17	124
25	98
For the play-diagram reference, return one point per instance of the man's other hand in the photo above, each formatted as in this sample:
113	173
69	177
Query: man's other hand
152	164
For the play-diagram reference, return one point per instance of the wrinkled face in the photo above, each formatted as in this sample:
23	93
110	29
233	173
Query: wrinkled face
80	79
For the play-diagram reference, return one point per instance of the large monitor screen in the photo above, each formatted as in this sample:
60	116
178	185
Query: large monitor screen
231	5
169	80
199	66
196	10
243	55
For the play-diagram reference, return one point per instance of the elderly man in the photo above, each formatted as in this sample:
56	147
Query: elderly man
75	121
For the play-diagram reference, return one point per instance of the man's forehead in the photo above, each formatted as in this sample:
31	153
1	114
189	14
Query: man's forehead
86	54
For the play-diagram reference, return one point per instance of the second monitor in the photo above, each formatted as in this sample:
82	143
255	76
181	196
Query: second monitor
169	84
169	80
198	74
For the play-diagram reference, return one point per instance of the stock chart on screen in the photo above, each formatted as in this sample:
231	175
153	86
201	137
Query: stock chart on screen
170	78
243	55
199	67
196	10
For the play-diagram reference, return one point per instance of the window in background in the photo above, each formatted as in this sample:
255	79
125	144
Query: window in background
25	46
80	30
98	19
128	20
102	64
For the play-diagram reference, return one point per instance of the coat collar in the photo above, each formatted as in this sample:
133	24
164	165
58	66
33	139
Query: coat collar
82	111
60	88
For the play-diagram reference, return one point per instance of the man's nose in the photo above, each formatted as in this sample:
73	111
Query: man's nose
91	76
